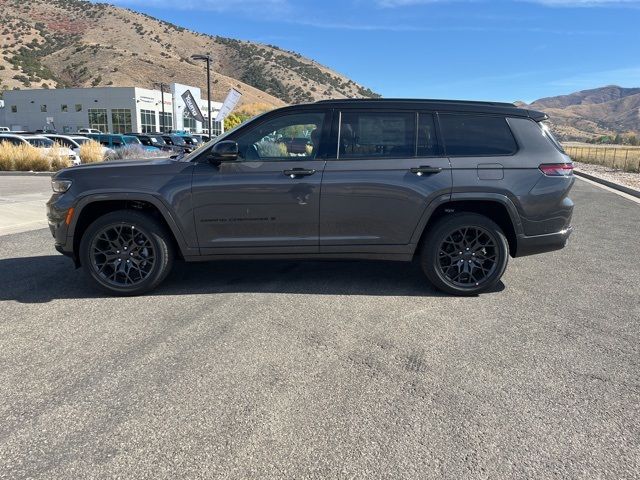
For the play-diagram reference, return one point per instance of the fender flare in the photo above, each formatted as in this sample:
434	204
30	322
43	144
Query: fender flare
468	196
165	211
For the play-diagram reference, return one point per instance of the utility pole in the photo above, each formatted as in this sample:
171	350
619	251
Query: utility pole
207	58
161	85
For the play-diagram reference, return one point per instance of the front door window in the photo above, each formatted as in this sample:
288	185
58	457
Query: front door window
285	138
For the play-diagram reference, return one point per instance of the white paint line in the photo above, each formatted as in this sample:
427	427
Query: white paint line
609	189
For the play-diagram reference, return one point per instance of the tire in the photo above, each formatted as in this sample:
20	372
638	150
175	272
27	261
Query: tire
464	254
126	253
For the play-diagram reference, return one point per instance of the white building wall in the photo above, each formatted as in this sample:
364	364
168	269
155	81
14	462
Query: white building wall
24	108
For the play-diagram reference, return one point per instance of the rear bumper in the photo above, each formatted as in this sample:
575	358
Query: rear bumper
531	245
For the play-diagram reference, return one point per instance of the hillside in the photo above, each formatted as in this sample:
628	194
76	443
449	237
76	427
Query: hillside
586	114
75	43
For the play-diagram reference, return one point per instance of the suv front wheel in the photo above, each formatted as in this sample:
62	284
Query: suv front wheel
464	254
126	252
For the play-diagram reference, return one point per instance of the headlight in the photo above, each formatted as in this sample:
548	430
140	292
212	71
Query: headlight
60	186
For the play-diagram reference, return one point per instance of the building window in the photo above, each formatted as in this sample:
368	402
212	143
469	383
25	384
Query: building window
166	121
14	109
43	108
78	107
98	119
217	127
121	120
148	121
189	123
64	108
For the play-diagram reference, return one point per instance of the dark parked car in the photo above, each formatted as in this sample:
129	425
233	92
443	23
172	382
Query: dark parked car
156	140
179	141
459	185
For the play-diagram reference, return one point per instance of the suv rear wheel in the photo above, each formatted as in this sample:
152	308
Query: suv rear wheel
465	254
126	252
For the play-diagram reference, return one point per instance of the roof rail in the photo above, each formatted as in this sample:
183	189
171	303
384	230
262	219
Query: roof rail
422	100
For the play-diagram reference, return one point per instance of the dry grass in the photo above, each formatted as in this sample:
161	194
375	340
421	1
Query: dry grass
91	152
58	158
23	157
626	159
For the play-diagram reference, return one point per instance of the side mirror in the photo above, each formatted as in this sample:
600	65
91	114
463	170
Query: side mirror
225	151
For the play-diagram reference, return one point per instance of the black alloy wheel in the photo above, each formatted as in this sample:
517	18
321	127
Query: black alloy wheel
126	252
464	254
122	255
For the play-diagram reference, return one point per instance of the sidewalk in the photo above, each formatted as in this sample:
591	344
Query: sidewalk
22	203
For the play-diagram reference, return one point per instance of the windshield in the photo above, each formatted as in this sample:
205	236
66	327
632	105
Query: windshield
132	140
81	141
40	142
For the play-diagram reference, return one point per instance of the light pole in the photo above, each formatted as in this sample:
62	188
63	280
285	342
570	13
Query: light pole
162	100
207	58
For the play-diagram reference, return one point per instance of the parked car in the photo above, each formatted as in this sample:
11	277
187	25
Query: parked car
88	130
156	140
4	129
116	141
178	141
460	186
40	142
74	142
200	137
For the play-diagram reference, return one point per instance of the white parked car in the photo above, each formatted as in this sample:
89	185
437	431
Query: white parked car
41	142
4	129
88	130
74	142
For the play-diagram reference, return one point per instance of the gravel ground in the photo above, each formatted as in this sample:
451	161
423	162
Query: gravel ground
628	179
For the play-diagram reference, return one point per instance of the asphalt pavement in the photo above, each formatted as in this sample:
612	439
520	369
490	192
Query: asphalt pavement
241	370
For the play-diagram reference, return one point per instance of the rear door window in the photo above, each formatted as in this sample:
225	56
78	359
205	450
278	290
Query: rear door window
476	135
428	145
377	134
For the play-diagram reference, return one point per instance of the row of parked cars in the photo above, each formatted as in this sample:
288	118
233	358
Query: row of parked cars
171	143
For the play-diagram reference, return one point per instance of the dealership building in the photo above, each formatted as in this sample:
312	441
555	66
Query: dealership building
108	109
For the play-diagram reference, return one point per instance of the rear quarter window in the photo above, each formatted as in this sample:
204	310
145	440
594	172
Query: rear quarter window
476	135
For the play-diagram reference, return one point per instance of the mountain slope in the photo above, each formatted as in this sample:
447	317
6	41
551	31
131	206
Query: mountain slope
601	111
75	43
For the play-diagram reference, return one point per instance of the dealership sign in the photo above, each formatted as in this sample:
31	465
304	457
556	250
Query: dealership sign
233	97
191	106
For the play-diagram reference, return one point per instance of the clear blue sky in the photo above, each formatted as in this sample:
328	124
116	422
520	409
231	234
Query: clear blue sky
474	49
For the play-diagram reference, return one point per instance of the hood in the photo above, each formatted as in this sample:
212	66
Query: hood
111	165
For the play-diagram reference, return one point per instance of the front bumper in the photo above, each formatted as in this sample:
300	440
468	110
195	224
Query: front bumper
531	245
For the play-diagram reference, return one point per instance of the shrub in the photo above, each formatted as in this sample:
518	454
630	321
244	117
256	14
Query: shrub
58	157
135	152
7	155
91	152
28	158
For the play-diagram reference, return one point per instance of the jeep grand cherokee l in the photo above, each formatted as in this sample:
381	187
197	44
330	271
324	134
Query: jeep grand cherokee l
459	185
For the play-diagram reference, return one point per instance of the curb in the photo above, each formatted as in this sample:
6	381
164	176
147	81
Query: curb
615	186
26	174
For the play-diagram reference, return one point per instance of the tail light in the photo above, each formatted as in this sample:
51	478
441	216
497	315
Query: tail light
557	169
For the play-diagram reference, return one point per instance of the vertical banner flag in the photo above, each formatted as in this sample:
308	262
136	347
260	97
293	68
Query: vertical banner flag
192	106
233	97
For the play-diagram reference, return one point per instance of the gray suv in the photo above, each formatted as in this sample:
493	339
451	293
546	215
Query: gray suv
458	185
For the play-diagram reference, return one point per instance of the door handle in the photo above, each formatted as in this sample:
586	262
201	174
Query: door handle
299	172
425	170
